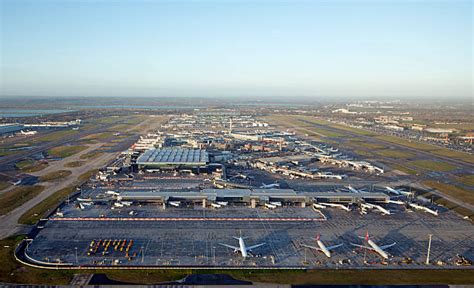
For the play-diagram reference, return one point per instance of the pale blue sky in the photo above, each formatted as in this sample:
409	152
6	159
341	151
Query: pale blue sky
315	49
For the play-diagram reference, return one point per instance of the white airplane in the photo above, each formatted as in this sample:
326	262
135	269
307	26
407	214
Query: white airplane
222	203
318	206
84	199
398	192
87	203
118	204
174	203
216	205
374	247
426	209
28	133
110	192
353	190
242	248
396	202
127	203
373	206
270	186
336	206
270	206
276	203
322	247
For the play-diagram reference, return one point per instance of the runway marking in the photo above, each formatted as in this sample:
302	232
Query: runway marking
190	219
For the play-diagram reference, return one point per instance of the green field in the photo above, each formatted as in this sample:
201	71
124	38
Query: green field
65	151
451	190
394	153
404	169
56	175
45	207
17	197
29	166
432	165
404	142
467	179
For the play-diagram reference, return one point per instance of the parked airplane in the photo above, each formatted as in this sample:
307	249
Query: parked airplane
322	248
336	206
426	209
110	192
318	206
244	250
28	133
216	205
354	190
276	203
374	247
373	206
398	191
222	203
270	206
174	203
270	186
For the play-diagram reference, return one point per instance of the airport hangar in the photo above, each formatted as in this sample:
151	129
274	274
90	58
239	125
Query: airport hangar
253	197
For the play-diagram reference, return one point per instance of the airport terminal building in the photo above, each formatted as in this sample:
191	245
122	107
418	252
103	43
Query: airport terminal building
173	159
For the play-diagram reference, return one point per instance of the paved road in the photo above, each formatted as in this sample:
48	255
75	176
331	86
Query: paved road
10	221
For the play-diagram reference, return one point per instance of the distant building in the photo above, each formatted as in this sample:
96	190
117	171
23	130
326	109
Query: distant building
10	128
440	130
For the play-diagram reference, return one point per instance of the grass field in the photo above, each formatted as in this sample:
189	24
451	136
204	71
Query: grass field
4	185
29	166
467	179
404	142
404	169
55	136
451	190
455	154
432	165
45	207
65	151
74	164
56	175
17	197
49	204
394	153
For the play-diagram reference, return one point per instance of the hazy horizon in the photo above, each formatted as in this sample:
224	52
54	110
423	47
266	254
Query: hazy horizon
268	50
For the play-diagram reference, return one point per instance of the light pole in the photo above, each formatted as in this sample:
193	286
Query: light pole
75	248
429	249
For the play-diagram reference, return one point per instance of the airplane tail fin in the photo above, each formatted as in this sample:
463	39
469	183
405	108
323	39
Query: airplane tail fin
367	236
318	237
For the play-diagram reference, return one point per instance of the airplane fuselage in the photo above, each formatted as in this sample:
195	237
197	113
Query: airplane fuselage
243	249
377	249
323	248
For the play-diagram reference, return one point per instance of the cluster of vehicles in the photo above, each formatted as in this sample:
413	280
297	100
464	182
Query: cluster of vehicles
118	245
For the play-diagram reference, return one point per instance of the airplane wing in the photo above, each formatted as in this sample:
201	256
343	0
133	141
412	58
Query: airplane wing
312	247
362	246
334	246
254	246
387	246
230	246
